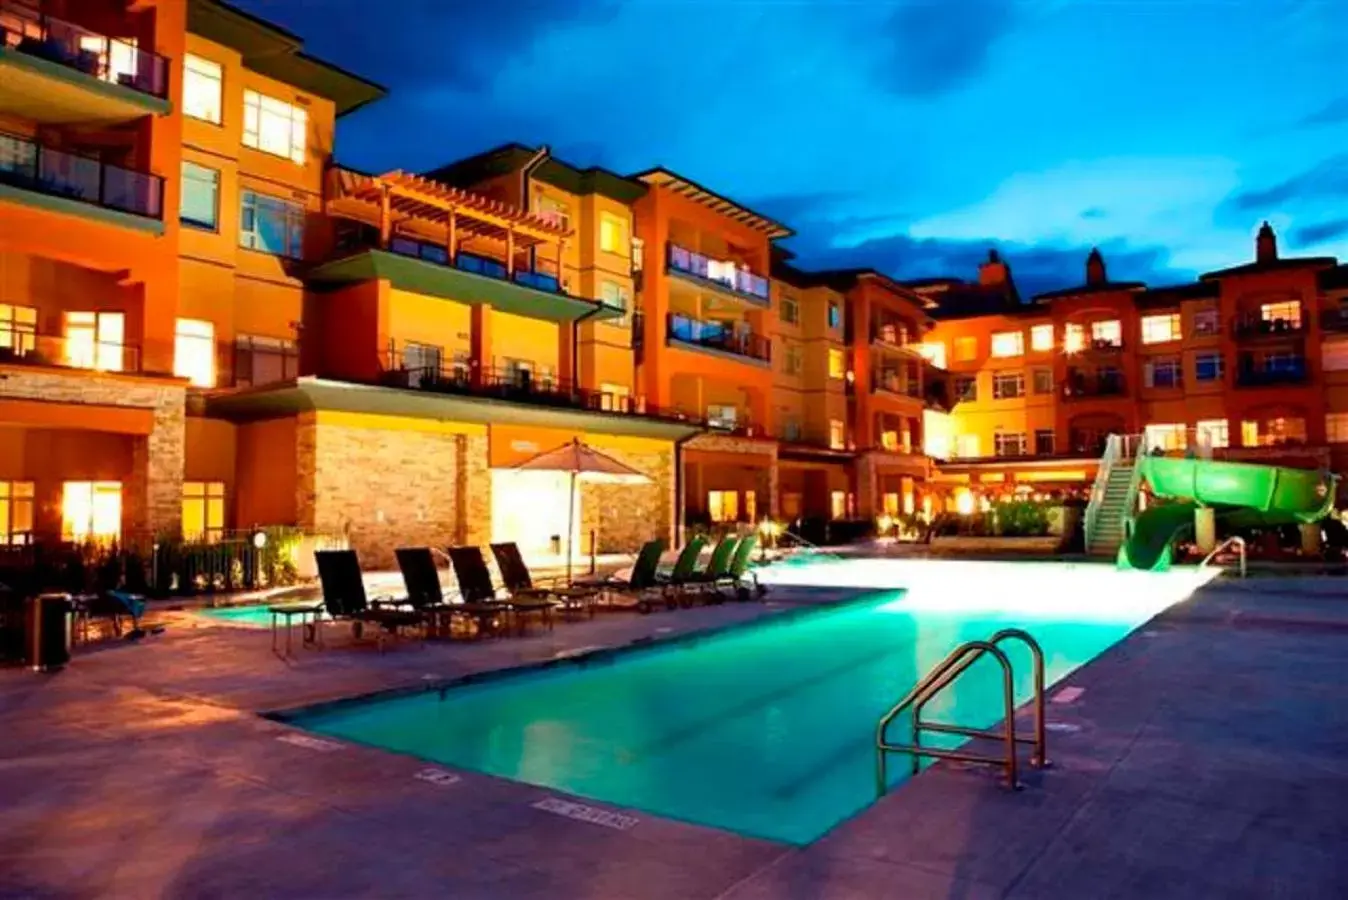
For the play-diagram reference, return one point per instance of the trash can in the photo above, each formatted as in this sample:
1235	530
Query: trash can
48	630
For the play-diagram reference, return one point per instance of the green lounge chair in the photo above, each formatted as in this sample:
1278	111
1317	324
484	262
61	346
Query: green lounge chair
677	581
740	579
640	586
718	567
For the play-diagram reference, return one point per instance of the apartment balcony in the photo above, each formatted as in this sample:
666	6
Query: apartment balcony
888	382
1080	386
895	337
1334	321
719	338
40	176
80	352
722	276
1274	372
1255	327
1102	347
57	72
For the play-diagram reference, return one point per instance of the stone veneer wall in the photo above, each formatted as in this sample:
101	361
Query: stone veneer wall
768	482
627	515
388	488
152	497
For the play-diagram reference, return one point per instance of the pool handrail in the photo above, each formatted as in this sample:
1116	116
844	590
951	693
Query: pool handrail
1234	541
940	677
818	550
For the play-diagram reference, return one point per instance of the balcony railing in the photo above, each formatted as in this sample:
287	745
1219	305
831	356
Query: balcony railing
895	383
29	348
539	280
722	272
116	61
718	336
259	361
1256	326
33	167
1334	320
893	334
1078	385
1293	370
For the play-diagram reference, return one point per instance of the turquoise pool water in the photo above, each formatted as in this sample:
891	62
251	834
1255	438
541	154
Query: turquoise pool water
250	616
767	730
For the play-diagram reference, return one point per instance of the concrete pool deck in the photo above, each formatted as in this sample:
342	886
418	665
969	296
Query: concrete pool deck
1207	756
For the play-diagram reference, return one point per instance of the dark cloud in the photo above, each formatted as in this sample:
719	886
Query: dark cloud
796	209
939	45
1095	212
1327	180
1310	235
1333	113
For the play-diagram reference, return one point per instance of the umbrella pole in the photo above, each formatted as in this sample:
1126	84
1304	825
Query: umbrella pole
570	526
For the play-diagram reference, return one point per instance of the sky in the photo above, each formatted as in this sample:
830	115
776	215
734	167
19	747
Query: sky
906	135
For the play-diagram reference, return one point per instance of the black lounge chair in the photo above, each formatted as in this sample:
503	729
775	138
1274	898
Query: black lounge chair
344	598
475	586
519	583
641	583
421	577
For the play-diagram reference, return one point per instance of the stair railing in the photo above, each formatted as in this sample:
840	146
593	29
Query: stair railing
1141	445
1113	447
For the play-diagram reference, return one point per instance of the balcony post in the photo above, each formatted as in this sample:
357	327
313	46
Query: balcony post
451	237
510	254
385	217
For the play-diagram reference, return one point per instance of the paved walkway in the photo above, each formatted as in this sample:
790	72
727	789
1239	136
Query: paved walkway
1206	757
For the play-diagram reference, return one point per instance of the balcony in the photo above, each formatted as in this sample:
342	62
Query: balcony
721	275
56	72
719	337
891	382
1082	386
1274	371
1334	321
19	347
40	176
1255	327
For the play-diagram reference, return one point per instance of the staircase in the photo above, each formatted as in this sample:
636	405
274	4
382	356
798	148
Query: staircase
1107	535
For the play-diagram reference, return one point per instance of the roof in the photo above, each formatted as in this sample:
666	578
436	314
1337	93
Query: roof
661	177
276	53
955	299
1273	265
846	279
1173	295
1336	277
556	172
1100	287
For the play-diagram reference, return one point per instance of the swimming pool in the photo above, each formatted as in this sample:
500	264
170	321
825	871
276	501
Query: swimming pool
767	730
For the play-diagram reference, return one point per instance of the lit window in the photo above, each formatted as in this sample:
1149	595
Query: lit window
18	330
615	296
750	506
794	360
723	506
966	446
615	397
1288	311
1008	343
202	82
837	363
16	512
91	510
1008	385
1004	444
889	440
838	504
1336	427
834	314
1163	373
1249	433
1043	381
837	434
722	416
1041	337
1073	338
274	126
889	503
612	234
553	211
116	58
1107	333
966	349
790	310
1160	329
1211	433
1208	367
271	225
194	352
933	352
1207	321
203	510
199	203
1167	436
95	340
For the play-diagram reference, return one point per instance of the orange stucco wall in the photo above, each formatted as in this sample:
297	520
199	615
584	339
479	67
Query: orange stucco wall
267	473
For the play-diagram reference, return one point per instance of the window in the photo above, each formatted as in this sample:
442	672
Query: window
723	506
16	512
613	234
722	416
790	310
94	340
91	510
553	211
1041	337
1008	385
794	360
889	503
202	82
966	446
274	126
194	352
1161	328
18	330
1167	436
966	388
837	434
1073	338
1043	441
1207	321
1249	433
422	362
617	296
115	57
1043	381
200	201
834	314
1288	311
1004	444
837	503
1008	343
1107	333
1273	432
966	349
1163	373
1211	433
271	225
933	352
889	440
203	510
263	360
1336	432
790	428
615	397
1208	367
837	363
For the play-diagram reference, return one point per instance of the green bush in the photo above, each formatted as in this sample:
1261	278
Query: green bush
1021	518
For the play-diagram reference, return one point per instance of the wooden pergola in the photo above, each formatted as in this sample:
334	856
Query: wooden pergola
400	203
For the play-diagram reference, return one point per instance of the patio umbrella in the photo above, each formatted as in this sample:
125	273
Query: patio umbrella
583	463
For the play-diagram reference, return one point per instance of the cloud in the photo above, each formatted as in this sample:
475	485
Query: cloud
1325	180
939	46
1333	113
1320	233
1095	212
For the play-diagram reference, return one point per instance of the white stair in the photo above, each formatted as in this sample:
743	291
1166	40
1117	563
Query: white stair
1108	535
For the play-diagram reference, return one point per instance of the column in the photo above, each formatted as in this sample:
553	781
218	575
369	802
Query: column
1205	529
480	344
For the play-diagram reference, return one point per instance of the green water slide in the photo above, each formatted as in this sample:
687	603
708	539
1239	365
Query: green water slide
1242	493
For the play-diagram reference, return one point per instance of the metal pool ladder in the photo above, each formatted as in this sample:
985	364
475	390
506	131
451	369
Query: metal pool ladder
935	681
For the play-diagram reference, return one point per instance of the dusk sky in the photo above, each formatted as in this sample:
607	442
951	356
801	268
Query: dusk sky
908	135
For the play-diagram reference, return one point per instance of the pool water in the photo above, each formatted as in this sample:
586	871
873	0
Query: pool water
768	730
252	616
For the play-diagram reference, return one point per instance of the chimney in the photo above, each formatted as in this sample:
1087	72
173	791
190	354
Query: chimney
993	272
1095	268
1266	245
